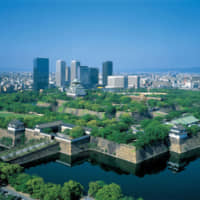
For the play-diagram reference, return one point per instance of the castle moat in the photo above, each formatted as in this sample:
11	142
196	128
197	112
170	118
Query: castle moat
170	176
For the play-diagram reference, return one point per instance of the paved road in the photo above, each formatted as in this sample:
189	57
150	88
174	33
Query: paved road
87	198
14	193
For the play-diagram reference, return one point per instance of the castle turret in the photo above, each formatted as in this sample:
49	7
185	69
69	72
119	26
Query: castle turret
16	129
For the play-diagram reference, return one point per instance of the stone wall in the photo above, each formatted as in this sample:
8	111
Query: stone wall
186	145
79	146
81	112
126	152
31	134
36	155
65	147
110	148
151	151
73	147
5	133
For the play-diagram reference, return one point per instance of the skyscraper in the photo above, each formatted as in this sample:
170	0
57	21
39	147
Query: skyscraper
74	69
107	71
60	73
93	76
40	73
83	74
67	75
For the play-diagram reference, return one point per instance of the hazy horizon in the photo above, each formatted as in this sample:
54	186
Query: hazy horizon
192	70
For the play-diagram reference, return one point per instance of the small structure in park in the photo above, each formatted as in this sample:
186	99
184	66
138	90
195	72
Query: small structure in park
76	89
178	133
186	121
16	130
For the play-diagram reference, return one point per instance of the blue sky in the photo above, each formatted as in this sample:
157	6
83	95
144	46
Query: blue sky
135	34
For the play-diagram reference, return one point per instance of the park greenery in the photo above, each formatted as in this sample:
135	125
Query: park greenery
175	103
99	190
154	131
13	175
193	130
75	132
7	197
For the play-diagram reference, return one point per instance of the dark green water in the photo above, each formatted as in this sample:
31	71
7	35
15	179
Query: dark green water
150	180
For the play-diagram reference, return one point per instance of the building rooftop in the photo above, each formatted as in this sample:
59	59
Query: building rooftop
68	125
49	124
16	124
185	120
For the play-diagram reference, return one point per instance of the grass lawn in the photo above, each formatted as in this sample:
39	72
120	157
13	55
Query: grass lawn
7	114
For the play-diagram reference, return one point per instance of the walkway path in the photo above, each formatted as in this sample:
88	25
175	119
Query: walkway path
12	191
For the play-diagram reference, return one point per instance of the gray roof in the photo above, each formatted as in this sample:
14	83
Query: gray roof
49	124
16	123
68	125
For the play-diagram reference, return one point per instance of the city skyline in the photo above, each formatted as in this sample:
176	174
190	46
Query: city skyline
136	36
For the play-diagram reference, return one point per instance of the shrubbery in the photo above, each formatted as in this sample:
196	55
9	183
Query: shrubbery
71	190
99	190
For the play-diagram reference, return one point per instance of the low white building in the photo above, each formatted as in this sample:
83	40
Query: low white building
119	82
133	82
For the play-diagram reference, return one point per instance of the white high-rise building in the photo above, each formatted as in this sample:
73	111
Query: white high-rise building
117	82
60	73
75	65
133	82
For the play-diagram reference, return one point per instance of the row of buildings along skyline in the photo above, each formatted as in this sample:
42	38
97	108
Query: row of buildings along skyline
88	76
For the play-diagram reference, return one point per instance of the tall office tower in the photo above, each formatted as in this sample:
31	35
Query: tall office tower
60	73
107	71
133	82
40	73
119	82
83	75
67	75
75	65
93	76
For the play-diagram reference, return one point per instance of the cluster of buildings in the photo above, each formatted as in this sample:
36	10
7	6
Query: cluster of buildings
88	76
77	77
175	80
10	82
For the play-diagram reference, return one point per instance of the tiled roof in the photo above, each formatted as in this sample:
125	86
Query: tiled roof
185	120
49	124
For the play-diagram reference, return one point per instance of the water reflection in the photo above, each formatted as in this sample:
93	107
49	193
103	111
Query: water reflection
175	162
178	162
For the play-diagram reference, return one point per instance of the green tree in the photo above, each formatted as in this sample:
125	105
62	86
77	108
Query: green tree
7	170
125	100
94	187
77	132
53	192
109	192
35	186
71	190
19	182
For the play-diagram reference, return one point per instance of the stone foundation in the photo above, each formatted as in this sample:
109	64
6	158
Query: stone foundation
187	145
36	155
127	152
